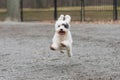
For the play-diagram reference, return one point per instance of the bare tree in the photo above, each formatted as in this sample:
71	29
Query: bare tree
13	10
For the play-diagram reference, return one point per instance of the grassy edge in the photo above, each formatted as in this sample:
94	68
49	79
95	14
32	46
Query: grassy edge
76	8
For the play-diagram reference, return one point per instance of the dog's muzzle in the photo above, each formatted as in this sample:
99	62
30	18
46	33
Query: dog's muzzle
61	32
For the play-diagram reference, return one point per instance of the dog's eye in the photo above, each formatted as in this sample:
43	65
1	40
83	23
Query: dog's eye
66	25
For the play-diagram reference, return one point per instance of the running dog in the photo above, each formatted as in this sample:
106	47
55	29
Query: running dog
62	39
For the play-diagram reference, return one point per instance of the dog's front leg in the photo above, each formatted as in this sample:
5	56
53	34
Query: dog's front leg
54	46
69	51
65	43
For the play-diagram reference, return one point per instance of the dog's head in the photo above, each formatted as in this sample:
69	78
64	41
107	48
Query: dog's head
62	25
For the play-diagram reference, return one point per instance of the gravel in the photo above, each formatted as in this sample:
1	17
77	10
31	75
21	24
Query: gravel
25	53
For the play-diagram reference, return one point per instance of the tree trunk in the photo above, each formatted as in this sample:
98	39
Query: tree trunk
13	10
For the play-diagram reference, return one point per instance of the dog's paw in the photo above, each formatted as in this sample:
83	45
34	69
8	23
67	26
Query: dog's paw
63	45
52	48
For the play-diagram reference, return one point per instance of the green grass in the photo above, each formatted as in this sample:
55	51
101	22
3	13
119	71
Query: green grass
91	13
2	16
72	8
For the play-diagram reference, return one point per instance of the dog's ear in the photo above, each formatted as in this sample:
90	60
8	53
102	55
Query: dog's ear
67	18
61	18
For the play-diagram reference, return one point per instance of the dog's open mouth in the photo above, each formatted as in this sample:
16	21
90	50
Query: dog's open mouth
61	32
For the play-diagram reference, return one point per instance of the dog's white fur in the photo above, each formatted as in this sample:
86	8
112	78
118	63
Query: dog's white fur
62	41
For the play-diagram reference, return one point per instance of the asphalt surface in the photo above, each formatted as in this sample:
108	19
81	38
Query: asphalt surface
25	53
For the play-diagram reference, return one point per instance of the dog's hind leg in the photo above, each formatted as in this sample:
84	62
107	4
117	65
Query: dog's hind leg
69	51
61	51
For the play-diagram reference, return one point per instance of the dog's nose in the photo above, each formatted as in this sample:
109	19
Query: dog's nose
61	29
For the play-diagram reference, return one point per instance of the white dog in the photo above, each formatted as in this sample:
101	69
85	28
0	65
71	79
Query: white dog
62	39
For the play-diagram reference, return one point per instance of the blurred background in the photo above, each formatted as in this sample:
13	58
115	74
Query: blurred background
47	10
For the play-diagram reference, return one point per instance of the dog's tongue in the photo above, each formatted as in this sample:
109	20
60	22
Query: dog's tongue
61	32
